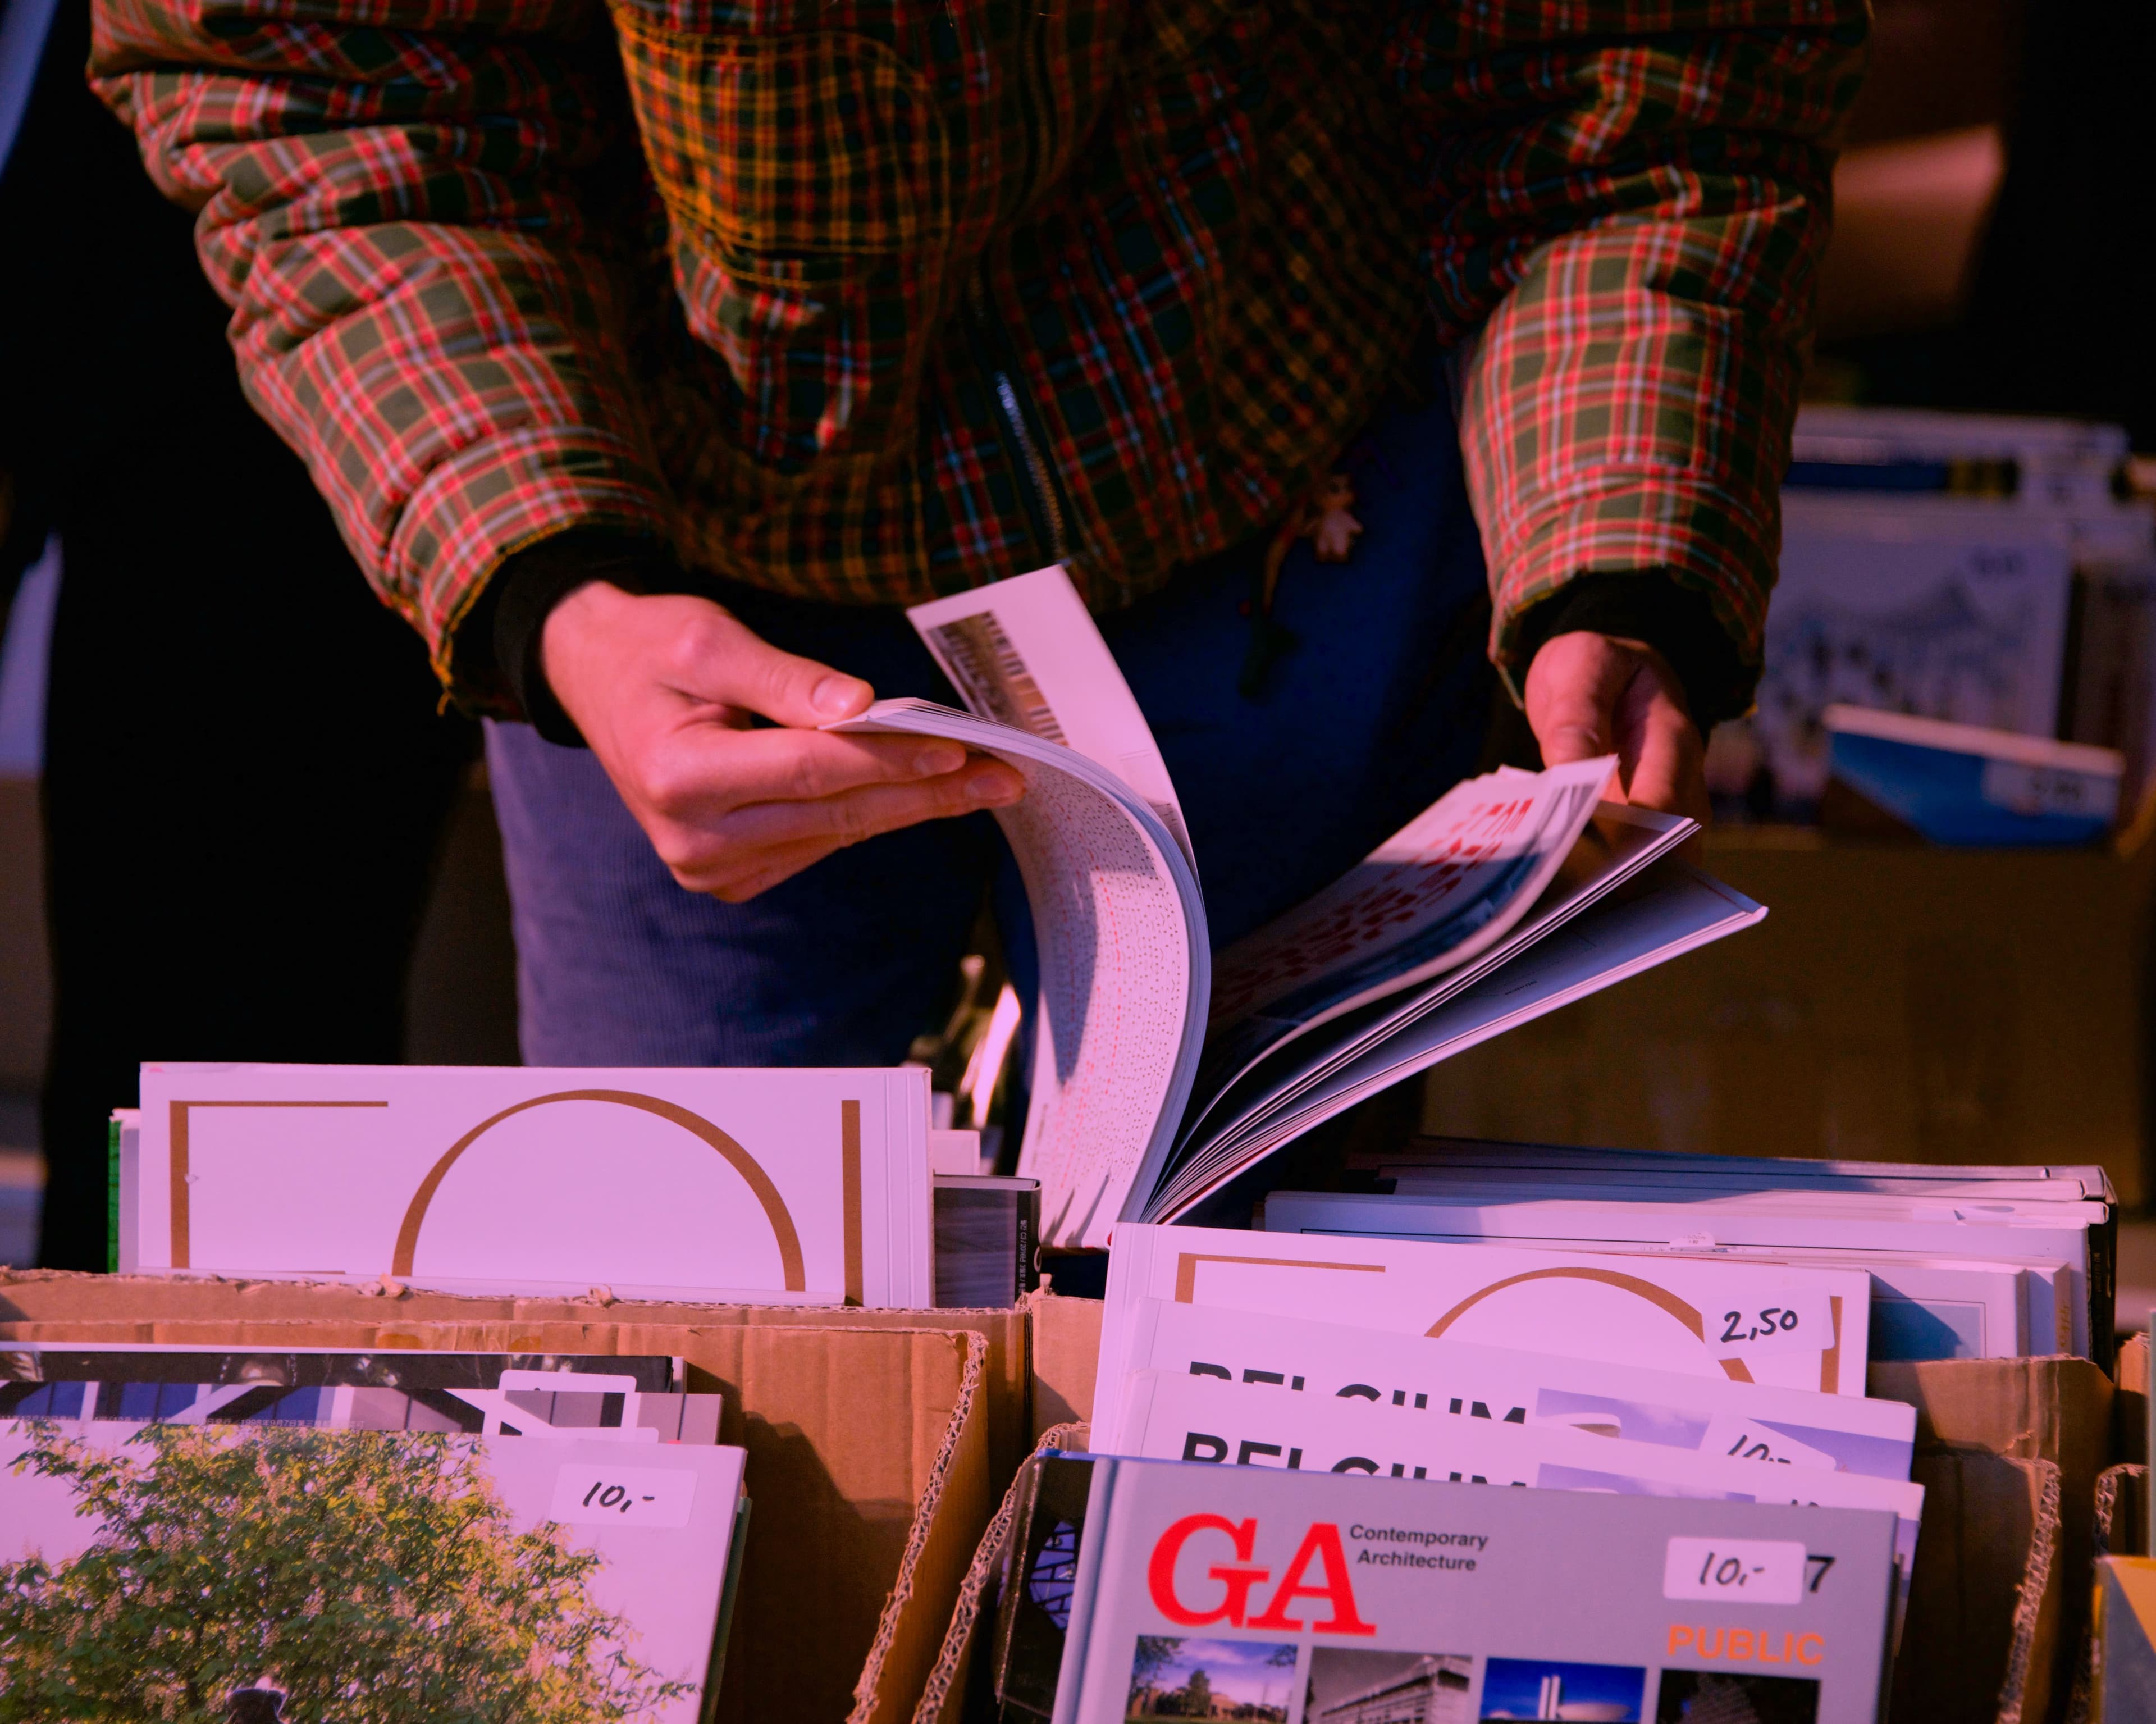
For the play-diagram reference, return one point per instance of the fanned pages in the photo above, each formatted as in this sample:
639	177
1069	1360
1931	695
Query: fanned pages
1160	1076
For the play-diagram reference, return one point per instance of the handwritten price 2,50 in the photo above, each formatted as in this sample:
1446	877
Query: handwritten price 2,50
1757	1326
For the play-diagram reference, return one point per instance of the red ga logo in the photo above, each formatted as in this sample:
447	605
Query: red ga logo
1321	1550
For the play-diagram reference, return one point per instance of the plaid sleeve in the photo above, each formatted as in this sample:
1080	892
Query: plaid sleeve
1625	202
394	204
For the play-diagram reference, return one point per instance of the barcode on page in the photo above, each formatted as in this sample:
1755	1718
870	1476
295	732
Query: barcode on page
992	676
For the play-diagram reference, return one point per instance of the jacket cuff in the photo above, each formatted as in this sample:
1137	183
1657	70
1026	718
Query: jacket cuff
1677	619
529	584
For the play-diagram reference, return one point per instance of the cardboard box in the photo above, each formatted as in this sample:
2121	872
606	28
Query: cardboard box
1066	1354
1981	1642
868	1441
34	1295
2057	1411
1899	1005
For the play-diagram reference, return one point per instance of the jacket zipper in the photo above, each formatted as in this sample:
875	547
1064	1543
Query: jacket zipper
1044	505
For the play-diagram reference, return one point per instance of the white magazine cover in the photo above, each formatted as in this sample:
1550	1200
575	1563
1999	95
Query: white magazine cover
1310	1599
1703	1415
1847	1226
1931	1307
542	1582
801	1186
1202	1419
1157	1083
1669	1314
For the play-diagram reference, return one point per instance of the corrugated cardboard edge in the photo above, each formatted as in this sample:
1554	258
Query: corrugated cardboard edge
952	1506
945	1691
2113	1539
2024	1696
1066	1357
214	1298
2054	1409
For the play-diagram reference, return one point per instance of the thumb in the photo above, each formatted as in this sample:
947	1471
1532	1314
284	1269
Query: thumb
1572	691
747	671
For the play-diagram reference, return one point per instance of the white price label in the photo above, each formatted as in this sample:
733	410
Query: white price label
1735	1571
1729	1434
1798	1323
589	1496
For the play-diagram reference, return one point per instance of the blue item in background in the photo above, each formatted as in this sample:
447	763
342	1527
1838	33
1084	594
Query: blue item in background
1961	785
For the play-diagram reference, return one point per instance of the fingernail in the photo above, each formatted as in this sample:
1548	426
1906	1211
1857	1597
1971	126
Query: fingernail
993	789
835	697
933	762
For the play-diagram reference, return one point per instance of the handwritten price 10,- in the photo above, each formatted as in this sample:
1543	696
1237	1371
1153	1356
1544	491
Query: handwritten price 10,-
588	1496
1754	1571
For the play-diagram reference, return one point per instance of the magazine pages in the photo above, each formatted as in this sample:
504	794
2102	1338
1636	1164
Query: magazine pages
1509	1387
2067	1276
464	1574
1315	1599
783	1186
1160	1074
1202	1419
1700	1317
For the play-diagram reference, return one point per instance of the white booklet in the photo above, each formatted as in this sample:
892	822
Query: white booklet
448	1575
1323	1598
1700	1317
1707	1416
1201	1419
1854	1227
778	1186
1161	1073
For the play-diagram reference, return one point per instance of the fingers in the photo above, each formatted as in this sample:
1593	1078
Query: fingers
852	816
1663	763
1590	694
748	850
717	659
706	770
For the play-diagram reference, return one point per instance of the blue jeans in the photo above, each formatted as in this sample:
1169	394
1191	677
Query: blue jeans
1379	707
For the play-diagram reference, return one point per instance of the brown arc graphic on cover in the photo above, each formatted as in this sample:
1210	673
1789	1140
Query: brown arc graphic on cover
739	1159
1187	1263
1660	1296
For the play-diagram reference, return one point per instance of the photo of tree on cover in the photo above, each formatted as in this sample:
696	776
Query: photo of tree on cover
341	1581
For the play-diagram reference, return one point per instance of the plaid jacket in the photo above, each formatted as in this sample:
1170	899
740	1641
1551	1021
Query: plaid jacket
897	297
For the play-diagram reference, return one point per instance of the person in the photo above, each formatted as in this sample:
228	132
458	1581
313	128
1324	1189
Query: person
231	872
653	358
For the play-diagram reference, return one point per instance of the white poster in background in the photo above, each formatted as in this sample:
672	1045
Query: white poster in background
1705	1318
780	1185
1026	653
1959	615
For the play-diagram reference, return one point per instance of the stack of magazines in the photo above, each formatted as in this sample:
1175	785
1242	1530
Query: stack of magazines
1963	1262
1697	1513
274	1534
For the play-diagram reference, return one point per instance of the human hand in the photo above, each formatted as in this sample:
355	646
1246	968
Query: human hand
663	688
1592	694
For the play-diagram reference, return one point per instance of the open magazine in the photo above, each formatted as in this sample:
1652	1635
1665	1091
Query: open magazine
1161	1071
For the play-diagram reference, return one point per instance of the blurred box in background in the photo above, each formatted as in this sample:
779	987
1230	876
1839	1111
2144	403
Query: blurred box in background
1897	1004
